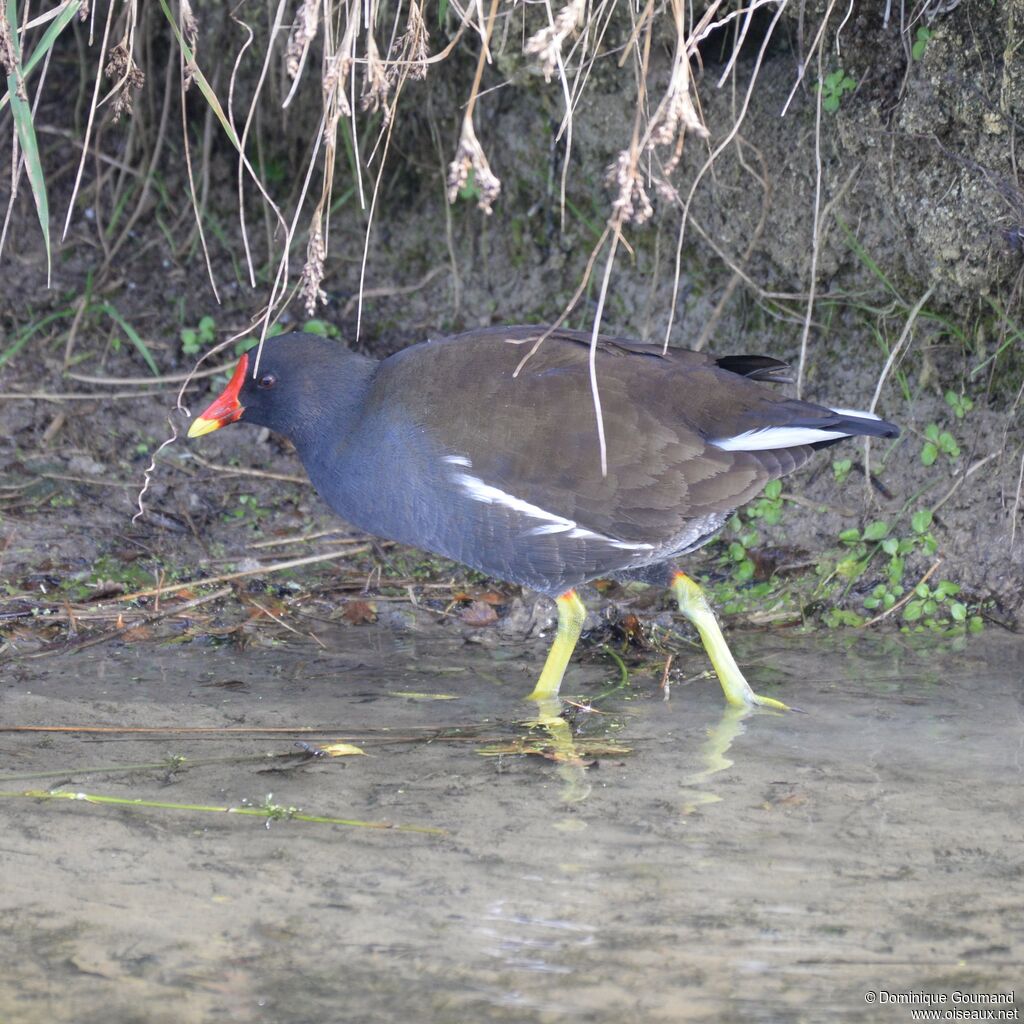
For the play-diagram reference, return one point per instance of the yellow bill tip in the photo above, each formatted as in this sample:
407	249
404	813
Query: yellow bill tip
201	425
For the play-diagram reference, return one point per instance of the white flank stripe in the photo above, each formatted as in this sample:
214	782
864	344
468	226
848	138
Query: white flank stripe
551	523
857	412
787	437
776	437
458	460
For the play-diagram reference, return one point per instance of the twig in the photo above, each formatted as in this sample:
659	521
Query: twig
304	538
384	292
120	631
73	396
170	378
896	349
970	471
292	563
263	474
666	684
812	284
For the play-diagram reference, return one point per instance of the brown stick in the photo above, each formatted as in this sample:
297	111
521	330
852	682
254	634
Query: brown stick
291	563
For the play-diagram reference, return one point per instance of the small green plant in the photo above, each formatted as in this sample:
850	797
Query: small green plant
195	339
244	344
248	508
921	40
321	327
833	88
841	470
737	555
938	441
960	404
768	507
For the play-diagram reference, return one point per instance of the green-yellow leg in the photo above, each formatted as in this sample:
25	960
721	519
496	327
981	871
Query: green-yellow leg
694	605
571	614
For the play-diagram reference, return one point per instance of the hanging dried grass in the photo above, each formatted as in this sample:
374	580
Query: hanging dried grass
470	157
546	45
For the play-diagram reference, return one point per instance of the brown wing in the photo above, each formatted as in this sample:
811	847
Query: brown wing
534	435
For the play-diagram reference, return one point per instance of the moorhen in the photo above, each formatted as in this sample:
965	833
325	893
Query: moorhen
446	447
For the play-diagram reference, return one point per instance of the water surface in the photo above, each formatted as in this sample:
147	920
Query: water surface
769	868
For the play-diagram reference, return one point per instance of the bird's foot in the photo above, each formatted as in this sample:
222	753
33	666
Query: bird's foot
739	694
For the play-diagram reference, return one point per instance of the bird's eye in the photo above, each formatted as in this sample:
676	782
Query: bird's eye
268	380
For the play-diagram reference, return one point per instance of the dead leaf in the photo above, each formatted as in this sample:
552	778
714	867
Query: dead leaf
341	749
479	613
356	613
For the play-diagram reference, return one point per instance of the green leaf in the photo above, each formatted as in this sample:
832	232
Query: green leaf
895	570
913	611
849	536
831	103
876	530
320	327
947	588
207	328
890	545
932	431
132	334
929	453
26	132
200	79
921	520
976	624
46	41
773	489
841	469
958	611
921	590
851	568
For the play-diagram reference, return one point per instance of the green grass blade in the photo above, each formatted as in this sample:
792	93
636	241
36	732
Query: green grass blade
863	256
27	136
48	38
25	334
200	79
133	335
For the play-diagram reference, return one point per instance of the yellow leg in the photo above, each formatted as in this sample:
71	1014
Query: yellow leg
571	614
694	605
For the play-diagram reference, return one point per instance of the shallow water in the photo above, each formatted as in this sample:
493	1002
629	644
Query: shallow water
774	868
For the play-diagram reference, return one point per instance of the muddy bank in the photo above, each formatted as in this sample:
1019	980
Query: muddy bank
916	195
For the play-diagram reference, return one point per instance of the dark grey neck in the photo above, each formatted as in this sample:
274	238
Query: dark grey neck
332	410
